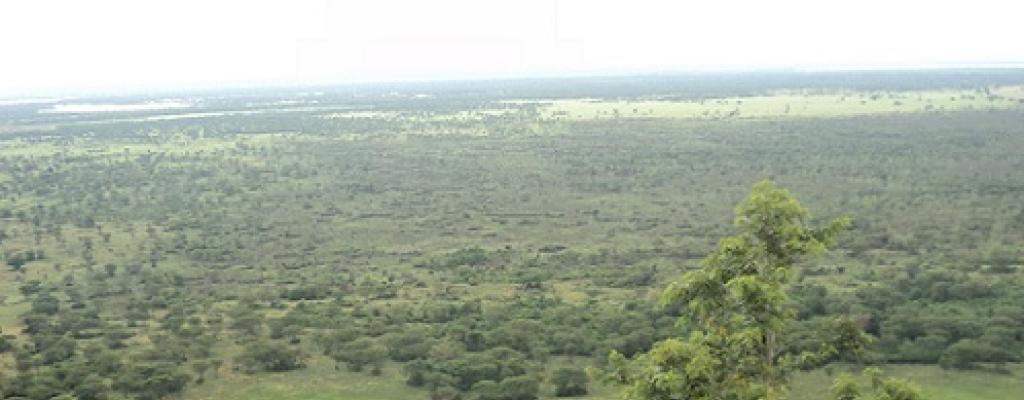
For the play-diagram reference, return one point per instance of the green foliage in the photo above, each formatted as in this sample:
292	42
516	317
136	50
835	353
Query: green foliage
967	353
874	375
512	388
738	305
409	345
472	257
569	382
445	227
898	389
844	340
845	388
92	387
151	381
519	388
6	344
360	353
486	390
45	304
463	371
269	356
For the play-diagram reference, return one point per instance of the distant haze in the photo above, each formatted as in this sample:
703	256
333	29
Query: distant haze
62	47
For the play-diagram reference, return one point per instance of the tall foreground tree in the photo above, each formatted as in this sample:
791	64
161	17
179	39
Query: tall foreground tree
737	311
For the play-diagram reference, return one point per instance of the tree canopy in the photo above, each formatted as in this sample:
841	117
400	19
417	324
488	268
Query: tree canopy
737	311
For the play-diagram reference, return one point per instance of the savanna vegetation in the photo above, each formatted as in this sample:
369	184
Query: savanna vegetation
522	240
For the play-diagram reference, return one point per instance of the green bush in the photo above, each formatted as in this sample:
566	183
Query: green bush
270	357
569	382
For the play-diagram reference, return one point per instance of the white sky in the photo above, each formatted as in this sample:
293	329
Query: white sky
54	46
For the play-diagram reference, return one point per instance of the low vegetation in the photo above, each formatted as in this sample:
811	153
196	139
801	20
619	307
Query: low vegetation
414	242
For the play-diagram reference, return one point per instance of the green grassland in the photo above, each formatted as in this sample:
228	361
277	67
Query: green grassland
936	383
788	104
321	380
520	221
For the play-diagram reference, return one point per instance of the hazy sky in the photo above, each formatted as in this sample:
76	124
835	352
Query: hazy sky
74	45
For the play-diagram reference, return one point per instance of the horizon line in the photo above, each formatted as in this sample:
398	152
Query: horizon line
279	83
